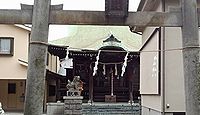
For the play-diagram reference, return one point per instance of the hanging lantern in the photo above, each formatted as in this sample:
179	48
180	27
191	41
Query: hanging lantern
62	71
67	63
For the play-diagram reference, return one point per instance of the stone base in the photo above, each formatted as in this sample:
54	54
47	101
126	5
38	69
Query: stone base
90	102
72	97
55	108
110	98
73	105
131	102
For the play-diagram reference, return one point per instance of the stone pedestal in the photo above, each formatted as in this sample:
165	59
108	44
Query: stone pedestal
73	105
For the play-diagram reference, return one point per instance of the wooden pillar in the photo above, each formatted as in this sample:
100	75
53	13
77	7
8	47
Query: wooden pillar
57	89
90	84
130	80
35	84
130	91
112	83
190	41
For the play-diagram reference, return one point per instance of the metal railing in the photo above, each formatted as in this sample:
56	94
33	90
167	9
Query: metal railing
149	111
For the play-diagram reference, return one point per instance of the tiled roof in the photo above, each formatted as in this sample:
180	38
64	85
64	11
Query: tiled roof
92	37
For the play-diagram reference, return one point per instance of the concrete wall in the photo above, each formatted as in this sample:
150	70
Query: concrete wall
174	76
55	108
10	67
147	111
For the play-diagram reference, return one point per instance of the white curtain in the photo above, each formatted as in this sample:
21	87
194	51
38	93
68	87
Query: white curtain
5	46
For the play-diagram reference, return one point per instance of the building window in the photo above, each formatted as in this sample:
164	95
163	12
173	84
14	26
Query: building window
11	88
6	45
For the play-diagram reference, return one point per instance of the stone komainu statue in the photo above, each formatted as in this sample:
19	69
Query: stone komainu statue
75	87
1	109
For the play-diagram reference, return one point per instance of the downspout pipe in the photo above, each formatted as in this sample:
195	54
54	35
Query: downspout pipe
163	62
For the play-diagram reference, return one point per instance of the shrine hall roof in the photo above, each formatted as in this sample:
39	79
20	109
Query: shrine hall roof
92	37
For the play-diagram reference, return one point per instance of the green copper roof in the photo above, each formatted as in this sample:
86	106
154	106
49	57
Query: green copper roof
92	37
112	38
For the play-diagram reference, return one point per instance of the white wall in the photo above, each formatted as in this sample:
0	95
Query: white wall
174	76
10	67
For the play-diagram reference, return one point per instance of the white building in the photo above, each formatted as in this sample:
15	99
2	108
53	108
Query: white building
162	73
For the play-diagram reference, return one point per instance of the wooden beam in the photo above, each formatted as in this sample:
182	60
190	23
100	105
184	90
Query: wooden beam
191	64
66	17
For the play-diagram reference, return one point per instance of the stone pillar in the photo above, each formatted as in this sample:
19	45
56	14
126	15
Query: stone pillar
35	83
191	58
73	105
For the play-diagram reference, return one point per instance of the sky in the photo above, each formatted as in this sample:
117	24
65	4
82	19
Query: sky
96	5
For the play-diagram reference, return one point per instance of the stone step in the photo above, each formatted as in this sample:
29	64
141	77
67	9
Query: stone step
111	109
110	113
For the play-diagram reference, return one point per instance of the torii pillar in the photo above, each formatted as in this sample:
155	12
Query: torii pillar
191	56
35	84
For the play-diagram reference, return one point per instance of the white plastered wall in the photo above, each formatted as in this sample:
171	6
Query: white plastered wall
10	68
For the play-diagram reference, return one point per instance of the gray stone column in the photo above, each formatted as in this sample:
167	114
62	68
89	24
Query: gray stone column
190	33
35	83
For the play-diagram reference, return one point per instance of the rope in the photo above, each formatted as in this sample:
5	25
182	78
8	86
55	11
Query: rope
39	42
114	51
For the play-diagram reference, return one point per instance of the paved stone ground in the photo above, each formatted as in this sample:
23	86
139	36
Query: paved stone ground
12	113
15	113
